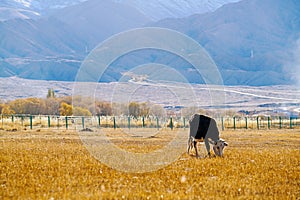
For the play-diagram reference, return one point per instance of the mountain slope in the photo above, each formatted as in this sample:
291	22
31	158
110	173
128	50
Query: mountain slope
36	38
247	39
52	48
250	41
7	70
97	20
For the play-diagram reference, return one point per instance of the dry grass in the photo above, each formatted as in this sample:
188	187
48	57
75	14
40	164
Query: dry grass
55	165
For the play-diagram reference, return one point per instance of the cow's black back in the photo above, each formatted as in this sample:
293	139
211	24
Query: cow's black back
202	126
204	123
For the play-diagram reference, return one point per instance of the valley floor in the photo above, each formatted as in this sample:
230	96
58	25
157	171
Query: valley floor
283	99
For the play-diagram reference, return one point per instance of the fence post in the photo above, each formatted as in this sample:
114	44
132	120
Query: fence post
234	125
171	123
269	122
30	119
12	118
128	119
82	122
291	122
184	123
257	122
114	118
157	124
280	122
99	121
246	121
49	125
66	122
143	122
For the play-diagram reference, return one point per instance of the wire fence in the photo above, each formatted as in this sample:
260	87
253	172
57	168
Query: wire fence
24	122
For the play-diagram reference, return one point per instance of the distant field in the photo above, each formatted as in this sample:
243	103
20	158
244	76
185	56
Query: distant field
275	99
54	164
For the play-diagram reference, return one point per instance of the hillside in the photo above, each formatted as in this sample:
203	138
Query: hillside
250	41
52	48
253	42
97	20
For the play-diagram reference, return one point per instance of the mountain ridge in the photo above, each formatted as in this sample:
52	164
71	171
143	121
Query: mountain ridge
154	9
252	42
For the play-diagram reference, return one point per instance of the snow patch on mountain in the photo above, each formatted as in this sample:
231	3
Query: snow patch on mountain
41	4
10	13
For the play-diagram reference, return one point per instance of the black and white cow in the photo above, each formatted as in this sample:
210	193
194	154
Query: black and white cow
205	128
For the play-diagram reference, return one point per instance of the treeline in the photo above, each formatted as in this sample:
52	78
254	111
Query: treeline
86	106
40	106
77	106
80	106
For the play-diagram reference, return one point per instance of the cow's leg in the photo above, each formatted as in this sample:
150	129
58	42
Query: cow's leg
207	146
196	149
188	148
189	145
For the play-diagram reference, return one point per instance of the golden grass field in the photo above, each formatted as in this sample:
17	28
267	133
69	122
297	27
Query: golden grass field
54	164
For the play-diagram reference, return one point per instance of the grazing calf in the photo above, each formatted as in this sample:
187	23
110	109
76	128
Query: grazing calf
205	128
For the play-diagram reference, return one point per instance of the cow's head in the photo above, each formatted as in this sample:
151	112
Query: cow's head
218	146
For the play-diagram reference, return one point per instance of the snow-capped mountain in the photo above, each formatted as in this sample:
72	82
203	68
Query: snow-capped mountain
153	9
31	9
253	42
38	5
13	9
11	13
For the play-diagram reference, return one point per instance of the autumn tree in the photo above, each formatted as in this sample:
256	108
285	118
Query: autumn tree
52	106
157	110
103	108
6	110
65	109
17	106
144	109
27	106
78	111
51	93
1	106
34	106
119	109
134	109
